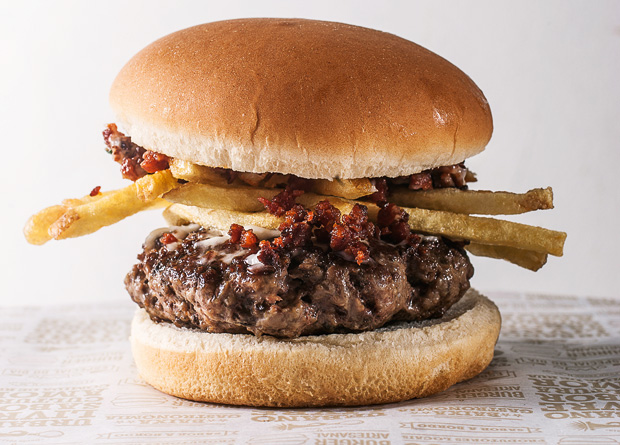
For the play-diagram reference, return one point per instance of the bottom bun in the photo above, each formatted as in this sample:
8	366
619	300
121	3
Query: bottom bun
394	363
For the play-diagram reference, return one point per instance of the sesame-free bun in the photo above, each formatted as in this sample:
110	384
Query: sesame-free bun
311	98
394	363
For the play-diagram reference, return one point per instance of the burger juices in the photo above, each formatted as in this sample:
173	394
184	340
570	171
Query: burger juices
313	176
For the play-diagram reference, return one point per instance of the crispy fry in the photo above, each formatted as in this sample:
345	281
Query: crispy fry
219	219
113	206
244	199
195	173
36	227
238	198
153	186
527	259
480	202
479	230
344	188
77	217
486	230
222	219
89	218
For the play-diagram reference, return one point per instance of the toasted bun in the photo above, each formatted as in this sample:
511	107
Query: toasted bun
401	362
316	99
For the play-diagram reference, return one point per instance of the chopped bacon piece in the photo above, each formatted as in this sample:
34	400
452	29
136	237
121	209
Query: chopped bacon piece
297	227
440	177
135	161
267	254
153	162
125	152
235	233
421	181
95	191
168	238
350	234
392	221
450	176
245	238
326	214
282	202
248	239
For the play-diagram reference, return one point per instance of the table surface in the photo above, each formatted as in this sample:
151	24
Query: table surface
67	376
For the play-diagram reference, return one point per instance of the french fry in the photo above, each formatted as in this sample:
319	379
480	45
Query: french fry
222	219
345	188
36	227
244	199
219	219
238	198
527	259
480	202
486	230
88	218
150	187
81	216
480	230
512	237
195	173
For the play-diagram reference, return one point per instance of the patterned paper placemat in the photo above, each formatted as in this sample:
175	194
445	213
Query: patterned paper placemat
67	376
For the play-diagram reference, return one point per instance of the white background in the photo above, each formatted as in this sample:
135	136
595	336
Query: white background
550	70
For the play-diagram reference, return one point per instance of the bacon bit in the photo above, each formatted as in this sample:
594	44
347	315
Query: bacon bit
392	221
168	238
282	202
297	227
95	191
109	130
235	233
343	233
153	162
327	214
248	239
135	161
245	238
440	177
450	176
348	236
421	181
267	254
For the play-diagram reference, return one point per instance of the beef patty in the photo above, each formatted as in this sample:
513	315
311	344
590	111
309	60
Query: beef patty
203	281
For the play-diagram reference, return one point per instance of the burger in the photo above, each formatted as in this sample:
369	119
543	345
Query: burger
313	177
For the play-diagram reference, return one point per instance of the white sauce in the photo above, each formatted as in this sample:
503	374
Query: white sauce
208	243
179	232
429	238
227	258
262	233
251	260
216	238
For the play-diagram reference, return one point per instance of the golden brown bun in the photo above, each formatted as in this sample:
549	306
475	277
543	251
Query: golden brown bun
316	99
387	365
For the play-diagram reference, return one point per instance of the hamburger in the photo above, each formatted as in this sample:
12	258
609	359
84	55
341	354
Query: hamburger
313	177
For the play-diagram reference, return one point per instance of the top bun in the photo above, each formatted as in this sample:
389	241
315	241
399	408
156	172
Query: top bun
311	98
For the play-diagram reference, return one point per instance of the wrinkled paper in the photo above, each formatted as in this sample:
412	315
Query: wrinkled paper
67	376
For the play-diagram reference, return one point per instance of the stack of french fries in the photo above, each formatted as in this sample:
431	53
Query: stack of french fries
206	198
